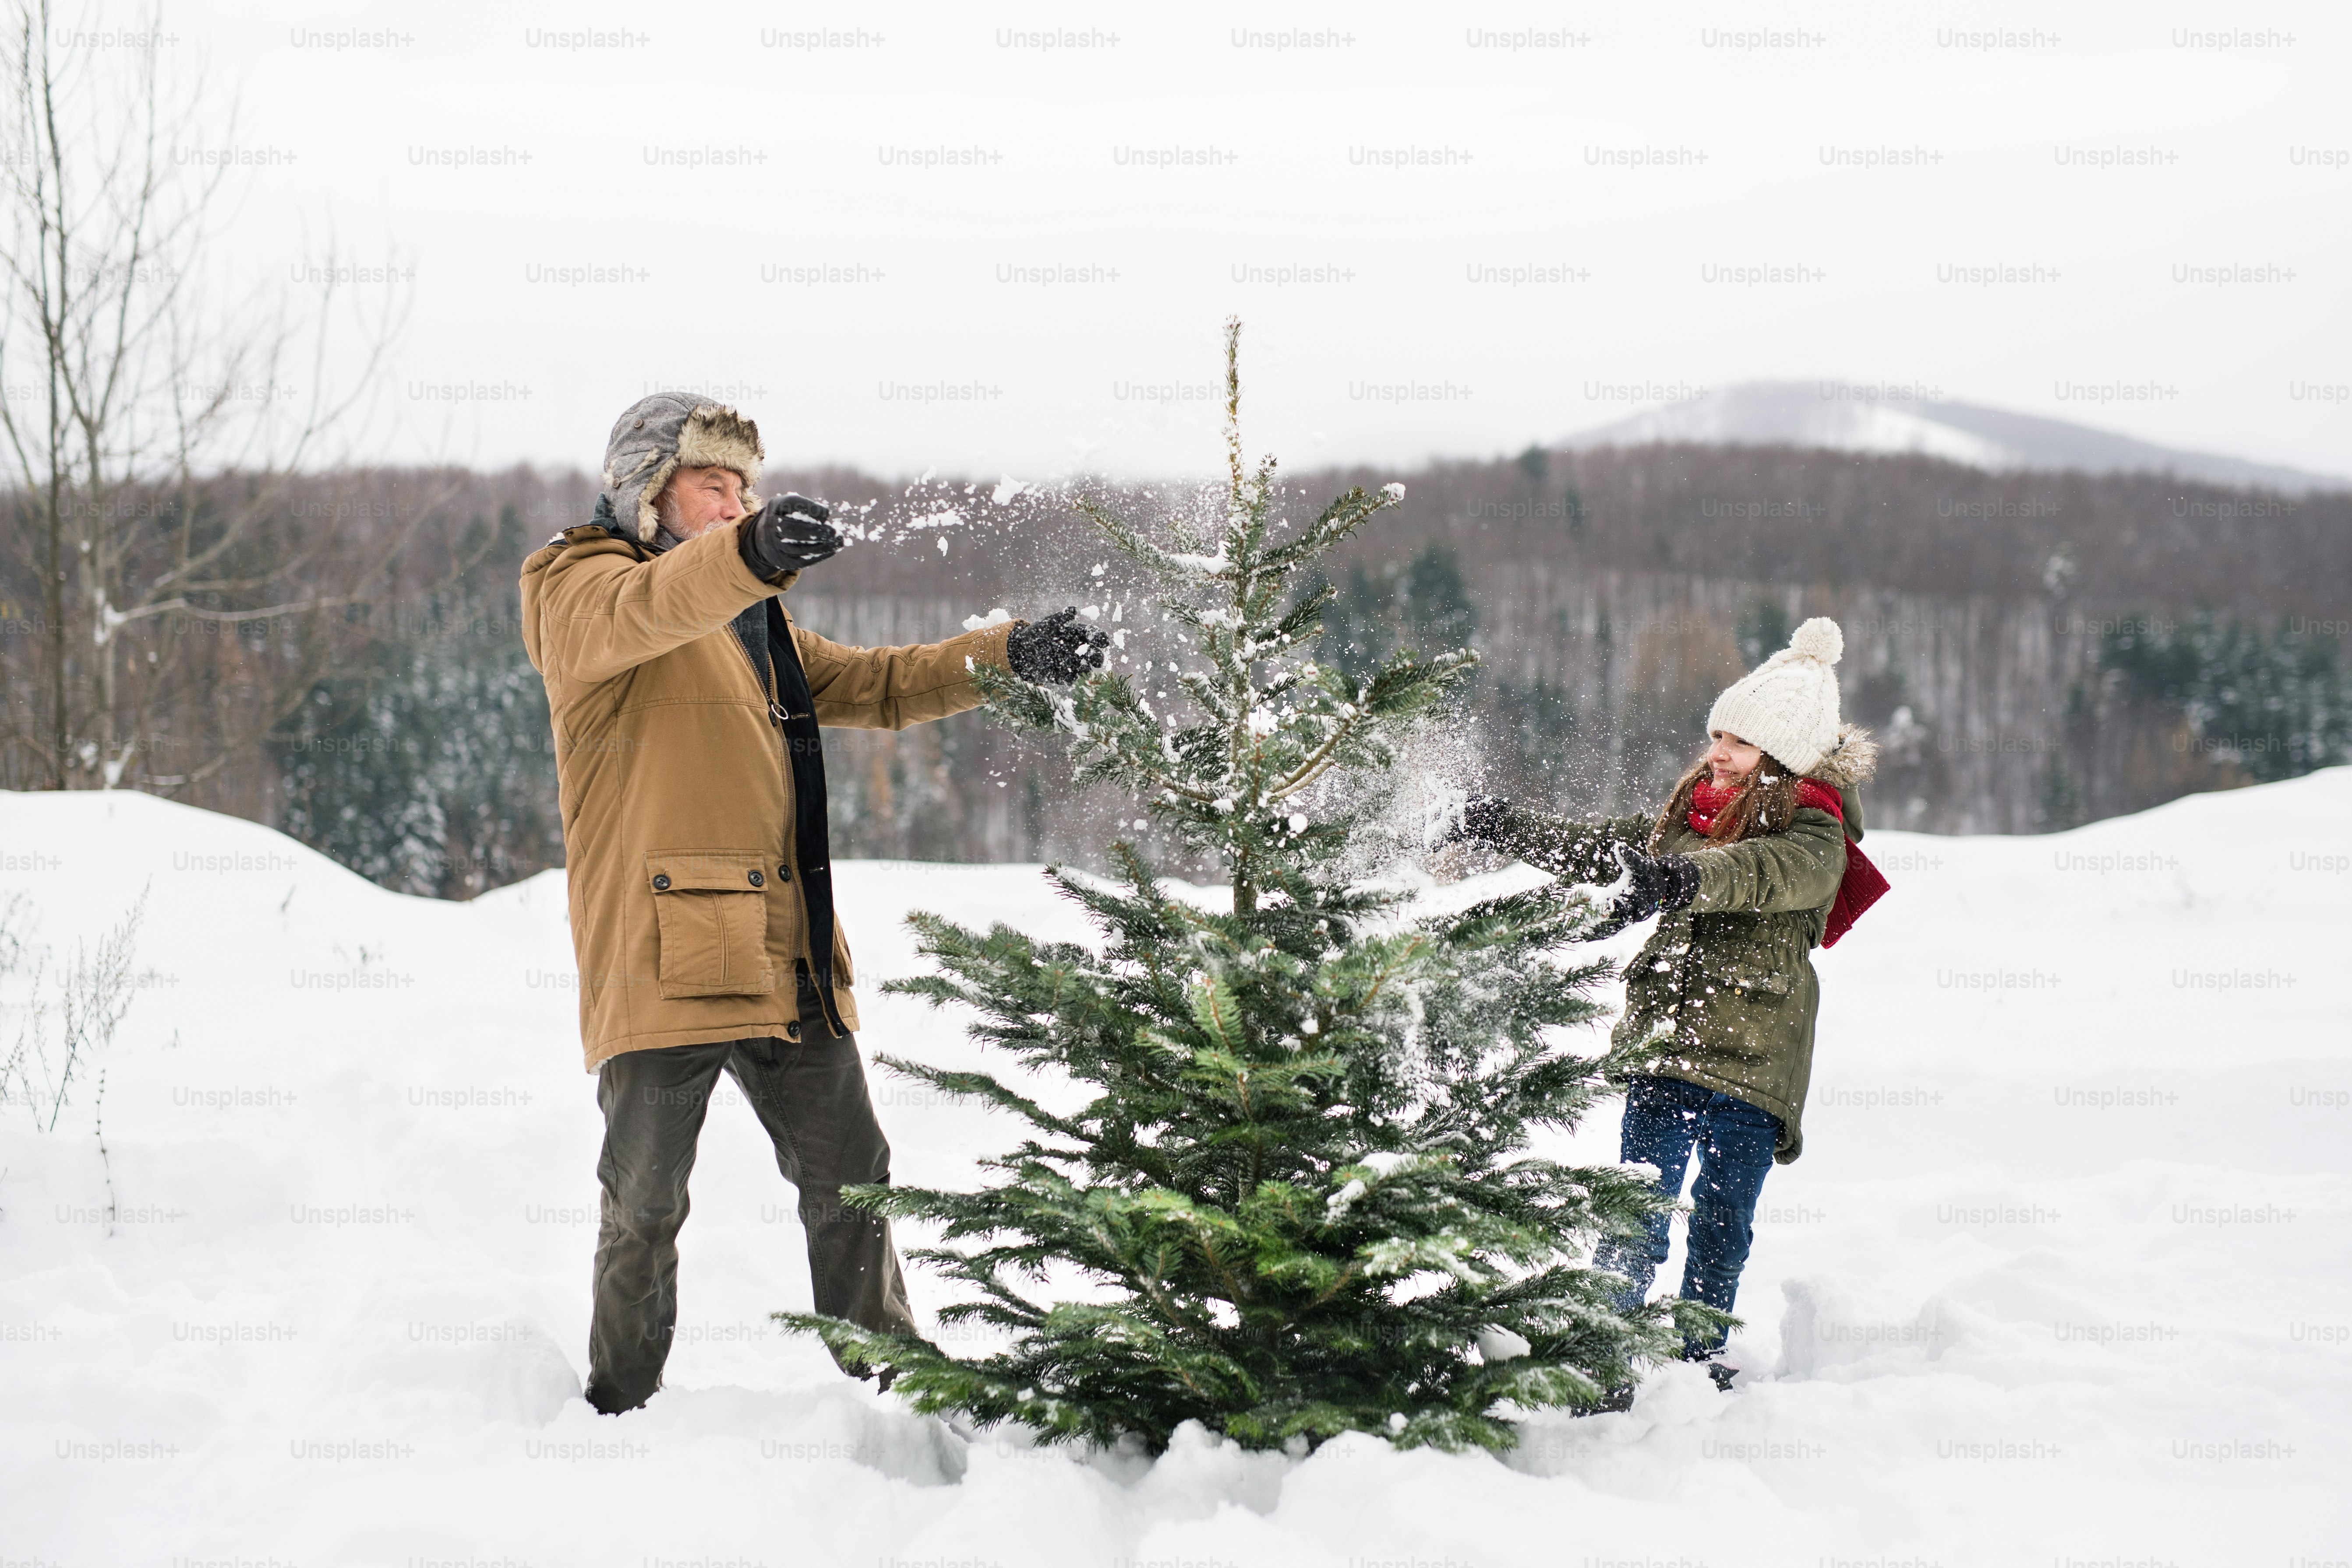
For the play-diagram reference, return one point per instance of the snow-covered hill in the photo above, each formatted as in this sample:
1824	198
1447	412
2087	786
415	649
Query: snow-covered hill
2062	1275
1850	418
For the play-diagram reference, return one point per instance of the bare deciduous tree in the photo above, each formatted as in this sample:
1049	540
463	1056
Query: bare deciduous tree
156	419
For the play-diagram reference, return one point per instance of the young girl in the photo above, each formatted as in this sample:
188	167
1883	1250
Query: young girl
1751	865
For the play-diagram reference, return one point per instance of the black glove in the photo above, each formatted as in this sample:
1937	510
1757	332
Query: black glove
1654	882
1484	818
1056	650
788	533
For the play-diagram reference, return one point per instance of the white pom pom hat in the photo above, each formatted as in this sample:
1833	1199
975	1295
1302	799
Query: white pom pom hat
1789	704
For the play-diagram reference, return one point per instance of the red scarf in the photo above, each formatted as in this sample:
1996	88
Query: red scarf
1861	886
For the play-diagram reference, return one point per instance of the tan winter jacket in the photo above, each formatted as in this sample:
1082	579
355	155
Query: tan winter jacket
678	812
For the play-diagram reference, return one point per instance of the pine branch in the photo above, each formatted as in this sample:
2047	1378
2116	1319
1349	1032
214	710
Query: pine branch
981	1086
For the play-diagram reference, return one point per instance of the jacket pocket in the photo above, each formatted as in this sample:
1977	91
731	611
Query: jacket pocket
711	910
1757	957
1765	979
843	974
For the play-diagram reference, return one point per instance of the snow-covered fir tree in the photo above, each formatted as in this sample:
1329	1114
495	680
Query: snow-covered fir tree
1301	1194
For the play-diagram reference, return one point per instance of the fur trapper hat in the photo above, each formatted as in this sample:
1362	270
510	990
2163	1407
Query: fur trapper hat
657	436
1789	706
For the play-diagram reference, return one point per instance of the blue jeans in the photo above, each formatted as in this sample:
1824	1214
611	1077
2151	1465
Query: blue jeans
1666	1118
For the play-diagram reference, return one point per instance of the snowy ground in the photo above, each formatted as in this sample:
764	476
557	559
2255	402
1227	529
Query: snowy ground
2062	1277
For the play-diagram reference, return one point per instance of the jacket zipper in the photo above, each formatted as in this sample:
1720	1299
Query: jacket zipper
776	714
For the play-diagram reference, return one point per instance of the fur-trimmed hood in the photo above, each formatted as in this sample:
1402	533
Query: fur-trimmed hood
1851	760
656	436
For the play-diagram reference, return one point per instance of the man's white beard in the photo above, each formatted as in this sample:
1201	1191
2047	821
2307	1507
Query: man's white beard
666	534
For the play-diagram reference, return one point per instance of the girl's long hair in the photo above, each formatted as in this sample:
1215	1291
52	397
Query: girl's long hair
1766	803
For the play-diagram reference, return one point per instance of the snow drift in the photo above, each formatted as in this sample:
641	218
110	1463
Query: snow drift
2062	1275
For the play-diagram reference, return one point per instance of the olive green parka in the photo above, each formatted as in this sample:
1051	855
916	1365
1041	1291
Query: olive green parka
1726	985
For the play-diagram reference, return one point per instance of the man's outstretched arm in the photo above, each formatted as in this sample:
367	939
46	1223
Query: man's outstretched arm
891	688
607	611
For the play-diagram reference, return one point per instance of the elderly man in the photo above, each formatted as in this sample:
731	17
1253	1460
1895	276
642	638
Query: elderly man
687	705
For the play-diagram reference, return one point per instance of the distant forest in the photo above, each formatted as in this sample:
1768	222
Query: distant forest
2035	651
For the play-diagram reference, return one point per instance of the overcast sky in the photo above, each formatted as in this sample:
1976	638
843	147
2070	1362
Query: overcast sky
908	238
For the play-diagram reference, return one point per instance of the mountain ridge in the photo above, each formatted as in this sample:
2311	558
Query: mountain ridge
1848	416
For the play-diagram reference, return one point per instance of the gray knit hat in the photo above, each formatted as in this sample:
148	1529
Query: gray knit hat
658	434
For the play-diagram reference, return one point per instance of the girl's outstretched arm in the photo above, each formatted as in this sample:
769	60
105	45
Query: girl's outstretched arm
1577	851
